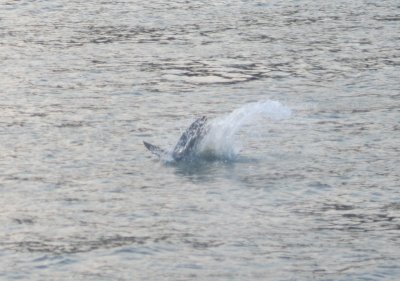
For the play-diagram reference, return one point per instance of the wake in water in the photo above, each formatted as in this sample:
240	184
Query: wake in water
217	139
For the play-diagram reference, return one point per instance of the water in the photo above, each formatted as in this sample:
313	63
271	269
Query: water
220	142
313	194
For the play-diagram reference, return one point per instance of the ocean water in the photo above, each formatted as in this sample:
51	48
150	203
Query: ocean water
304	101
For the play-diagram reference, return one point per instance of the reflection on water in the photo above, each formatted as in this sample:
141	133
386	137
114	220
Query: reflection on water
313	196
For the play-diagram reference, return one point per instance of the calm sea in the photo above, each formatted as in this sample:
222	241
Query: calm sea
314	195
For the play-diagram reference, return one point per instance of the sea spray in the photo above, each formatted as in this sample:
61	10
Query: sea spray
221	140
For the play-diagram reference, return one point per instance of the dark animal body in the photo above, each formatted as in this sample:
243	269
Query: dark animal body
188	142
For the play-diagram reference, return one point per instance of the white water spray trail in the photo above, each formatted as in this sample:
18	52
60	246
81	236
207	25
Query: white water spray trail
220	141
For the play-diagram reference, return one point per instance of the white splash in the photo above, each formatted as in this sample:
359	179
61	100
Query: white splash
221	139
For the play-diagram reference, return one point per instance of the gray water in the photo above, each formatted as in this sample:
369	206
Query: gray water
314	196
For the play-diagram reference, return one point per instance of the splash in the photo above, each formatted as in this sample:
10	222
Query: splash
221	141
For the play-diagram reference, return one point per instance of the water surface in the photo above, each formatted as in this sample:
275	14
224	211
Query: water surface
313	196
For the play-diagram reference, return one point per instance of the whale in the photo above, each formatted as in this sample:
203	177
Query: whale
187	144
